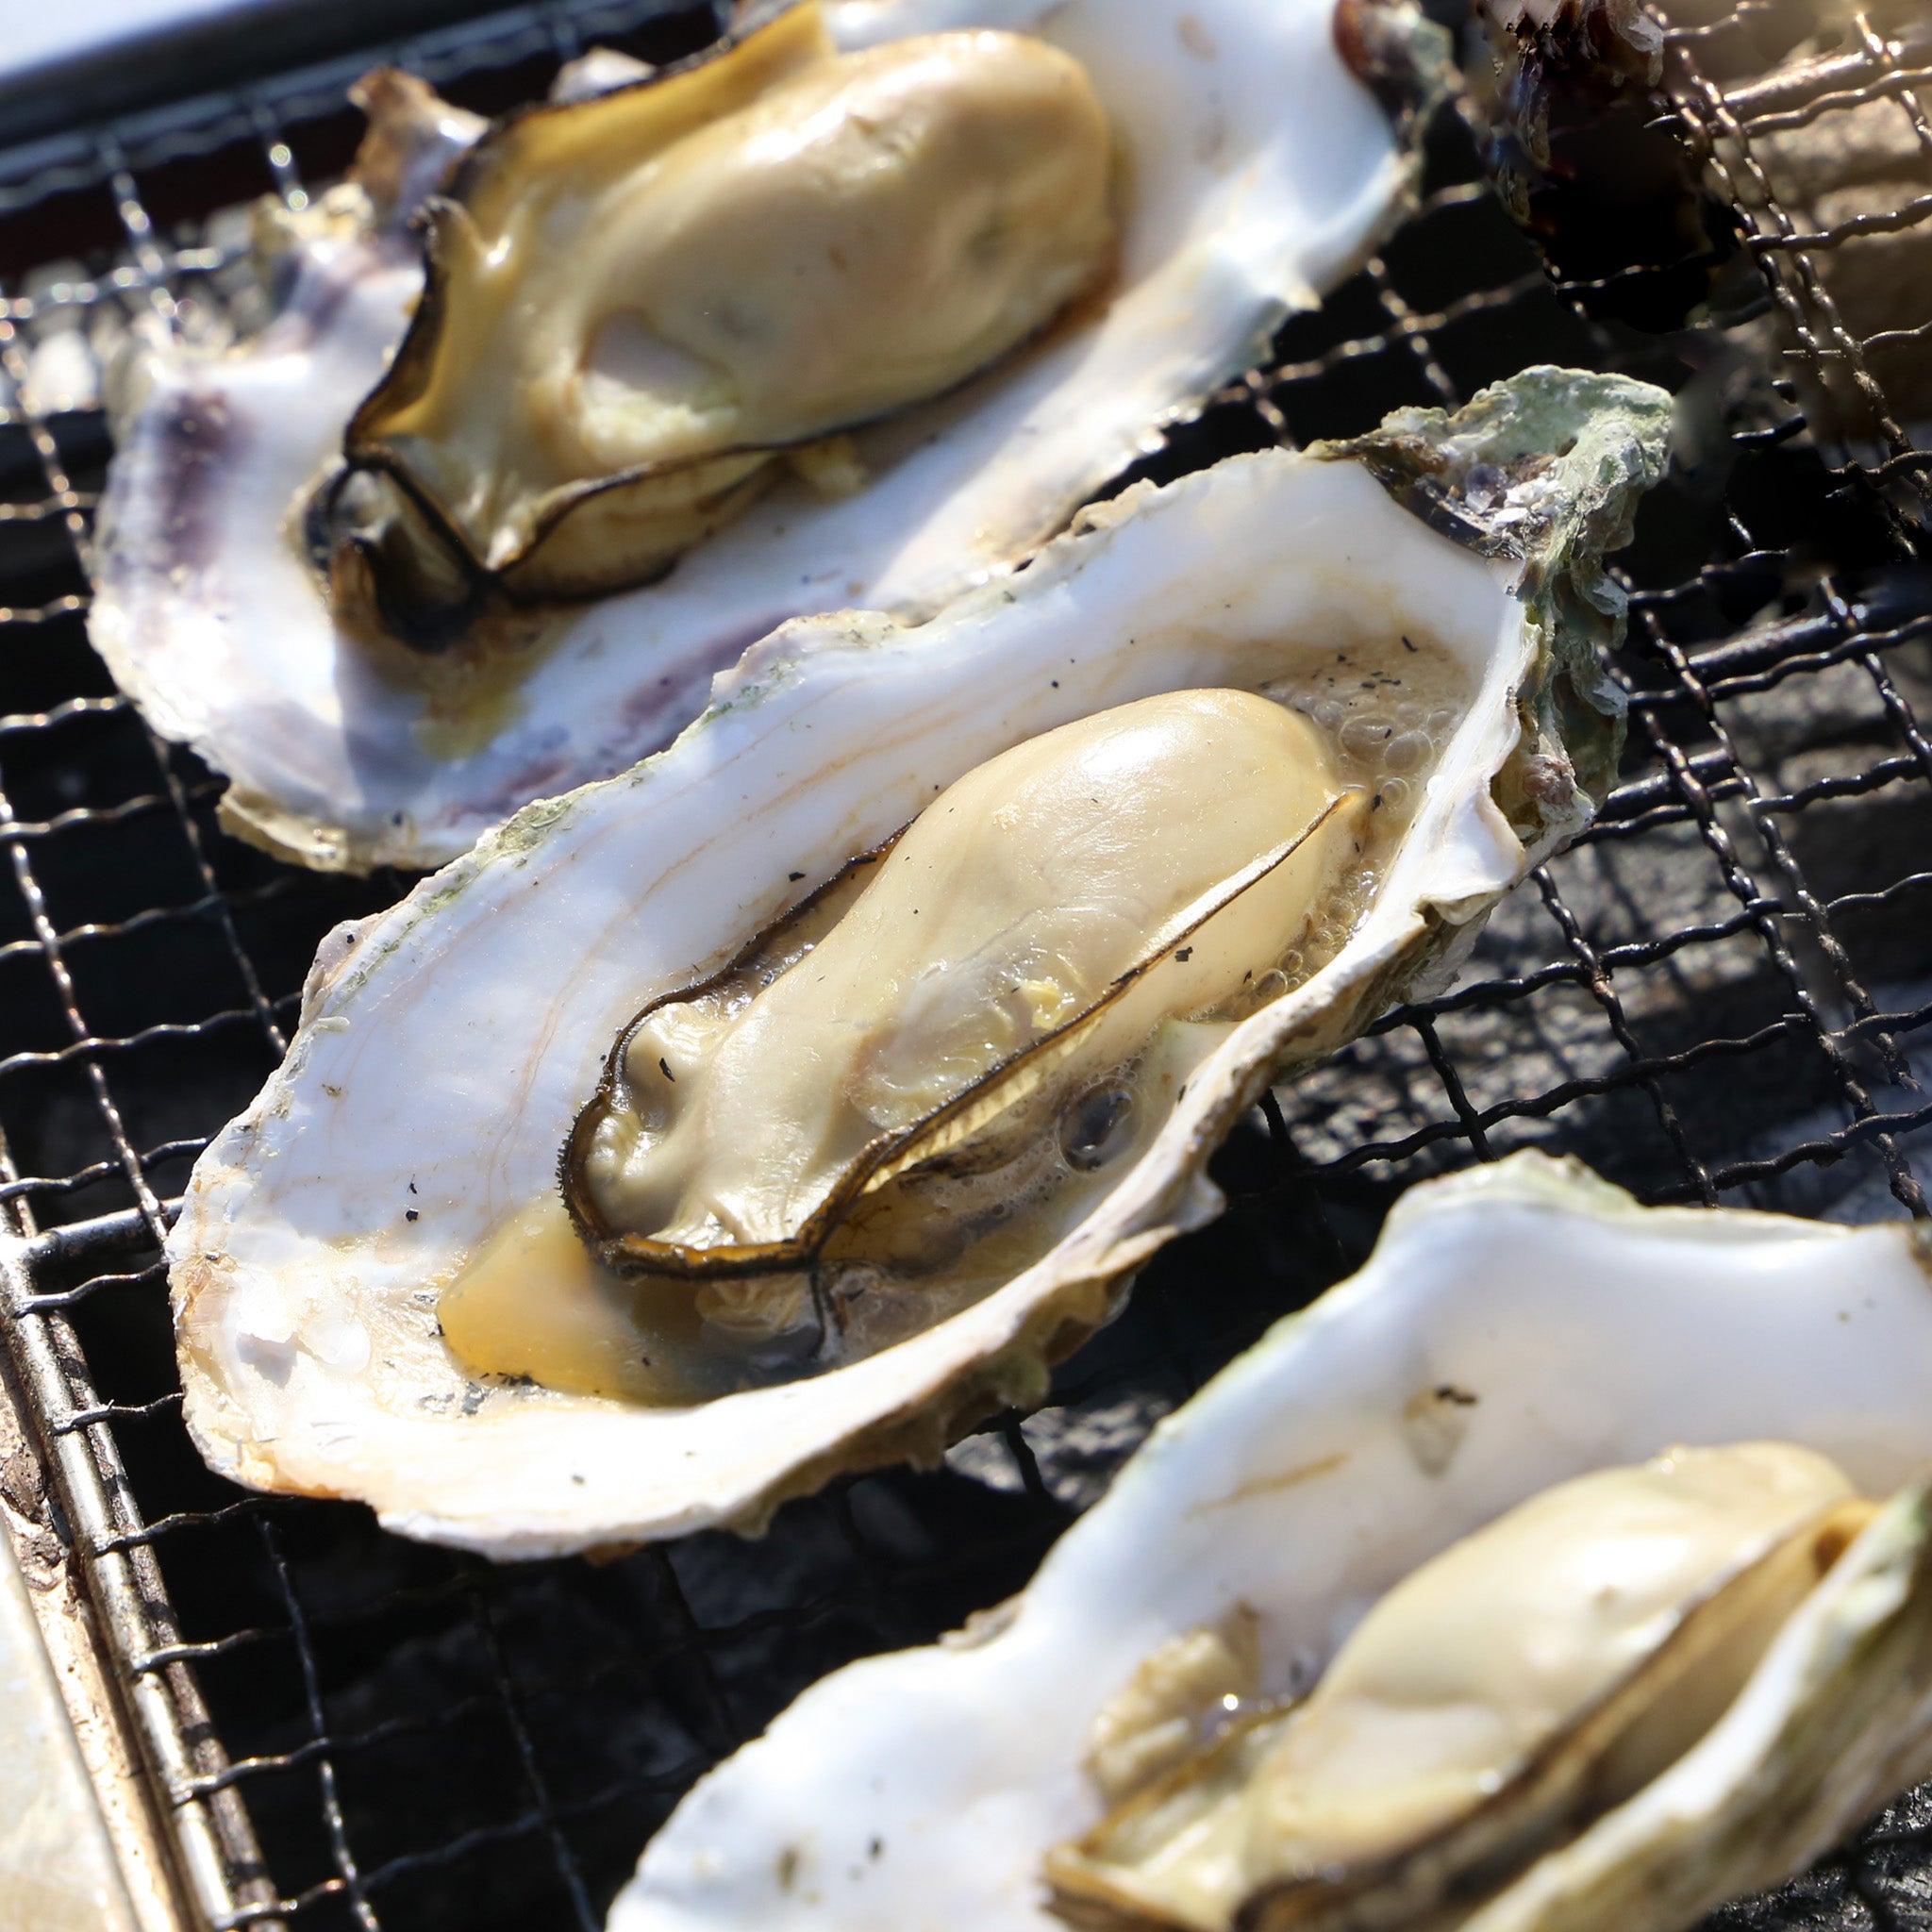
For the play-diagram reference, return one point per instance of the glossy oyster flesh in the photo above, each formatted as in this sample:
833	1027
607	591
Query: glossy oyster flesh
1501	1698
947	1191
1251	172
637	302
1528	1581
1080	894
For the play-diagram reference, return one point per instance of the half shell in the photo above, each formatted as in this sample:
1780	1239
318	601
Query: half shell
447	1045
1261	171
1517	1326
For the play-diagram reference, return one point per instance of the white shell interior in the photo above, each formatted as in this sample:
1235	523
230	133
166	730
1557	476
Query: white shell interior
1260	172
448	1043
923	1788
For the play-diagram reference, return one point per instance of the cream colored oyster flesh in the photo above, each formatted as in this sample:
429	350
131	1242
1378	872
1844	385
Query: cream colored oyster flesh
1531	1677
636	301
1426	1538
1027	936
911	1096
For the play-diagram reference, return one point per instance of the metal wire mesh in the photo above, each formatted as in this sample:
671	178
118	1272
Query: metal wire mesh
1828	153
1720	994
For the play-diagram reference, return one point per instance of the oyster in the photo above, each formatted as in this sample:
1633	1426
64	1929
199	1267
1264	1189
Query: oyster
378	1290
1351	1566
206	611
1082	894
639	304
1581	147
1517	1686
1660	188
1254	172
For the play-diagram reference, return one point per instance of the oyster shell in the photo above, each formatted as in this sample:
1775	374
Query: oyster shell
1260	171
206	611
448	1044
1518	1328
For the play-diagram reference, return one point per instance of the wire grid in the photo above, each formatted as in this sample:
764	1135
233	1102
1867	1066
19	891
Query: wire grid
1805	240
1719	994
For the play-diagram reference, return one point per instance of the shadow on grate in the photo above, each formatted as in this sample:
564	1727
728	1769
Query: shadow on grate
1722	993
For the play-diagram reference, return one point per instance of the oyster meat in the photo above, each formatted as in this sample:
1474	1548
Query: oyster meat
640	303
821	1152
253	591
1522	1684
1539	1577
890	1016
1081	892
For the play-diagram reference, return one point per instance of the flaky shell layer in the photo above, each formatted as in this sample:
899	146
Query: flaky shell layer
447	1045
1516	1326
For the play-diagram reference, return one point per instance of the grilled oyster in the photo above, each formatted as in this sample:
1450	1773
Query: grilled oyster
1252	172
1514	1688
845	1290
1651	205
1587	1695
637	303
1084	894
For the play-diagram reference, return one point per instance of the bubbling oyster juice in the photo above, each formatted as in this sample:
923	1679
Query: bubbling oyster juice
918	1082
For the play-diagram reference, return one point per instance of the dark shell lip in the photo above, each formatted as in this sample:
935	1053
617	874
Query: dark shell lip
509	582
632	1253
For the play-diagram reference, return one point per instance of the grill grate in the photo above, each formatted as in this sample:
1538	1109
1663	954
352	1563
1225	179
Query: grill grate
1720	994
